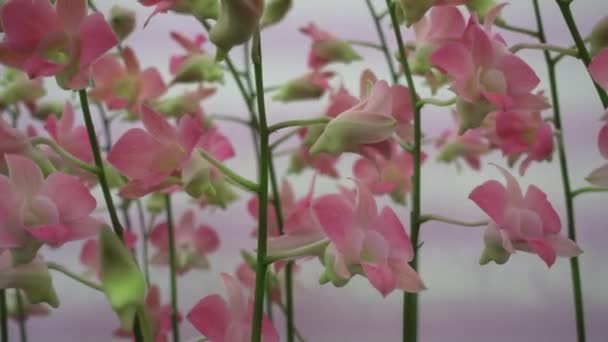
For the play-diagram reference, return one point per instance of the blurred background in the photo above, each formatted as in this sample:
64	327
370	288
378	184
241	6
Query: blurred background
519	301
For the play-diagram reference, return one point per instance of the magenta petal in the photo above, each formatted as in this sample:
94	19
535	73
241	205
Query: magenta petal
544	250
521	78
454	59
336	216
366	210
96	38
26	22
390	227
269	332
158	126
53	235
537	201
491	197
72	198
210	317
71	13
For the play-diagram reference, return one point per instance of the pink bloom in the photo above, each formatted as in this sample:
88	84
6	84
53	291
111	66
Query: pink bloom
192	47
89	253
362	237
12	140
599	176
599	68
51	211
71	138
469	146
383	175
229	321
528	223
326	48
192	243
340	101
61	40
125	85
148	157
159	316
287	199
322	163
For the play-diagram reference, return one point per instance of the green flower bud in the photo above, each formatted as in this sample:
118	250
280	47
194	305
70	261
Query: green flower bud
481	7
156	203
46	109
471	115
200	9
275	11
599	36
199	68
122	21
237	22
121	280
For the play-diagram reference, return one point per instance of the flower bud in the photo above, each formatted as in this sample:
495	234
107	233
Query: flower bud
200	9
33	278
21	89
309	86
414	10
156	203
336	50
351	129
237	22
599	36
46	109
122	21
331	274
275	11
199	68
481	7
121	280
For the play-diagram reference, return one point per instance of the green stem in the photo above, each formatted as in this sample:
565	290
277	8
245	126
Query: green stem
59	268
382	38
544	47
144	236
295	329
437	102
3	316
283	138
107	125
365	44
172	273
67	156
586	190
101	175
574	266
238	179
143	322
505	26
231	119
323	120
410	300
439	218
289	312
261	266
564	6
21	316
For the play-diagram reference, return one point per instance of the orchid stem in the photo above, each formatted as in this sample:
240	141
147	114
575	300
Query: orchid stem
297	123
506	26
172	273
563	161
59	268
544	47
101	175
238	179
365	44
564	6
289	312
261	266
3	316
230	118
144	237
21	316
295	329
410	300
308	250
283	138
382	38
67	156
587	190
439	218
437	102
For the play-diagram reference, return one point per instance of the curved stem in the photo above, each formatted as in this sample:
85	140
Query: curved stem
439	218
59	268
437	102
506	26
261	266
323	120
410	300
564	6
67	156
295	329
172	273
587	190
21	316
574	266
544	47
230	118
365	44
3	317
283	138
308	250
101	175
382	38
144	236
245	183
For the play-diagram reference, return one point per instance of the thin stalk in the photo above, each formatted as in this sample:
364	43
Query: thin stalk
308	250
506	26
587	190
21	316
59	268
295	329
297	123
107	125
67	156
544	47
261	265
230	118
439	218
238	179
268	298
382	38
365	44
563	161
3	316
564	6
283	138
410	300
437	102
172	273
103	183
289	302
144	237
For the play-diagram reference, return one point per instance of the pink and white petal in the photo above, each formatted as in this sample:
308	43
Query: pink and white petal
85	228
24	174
89	254
71	197
563	246
96	38
375	248
366	171
455	59
158	126
389	225
190	131
210	316
599	68
447	23
152	84
537	201
336	215
52	235
520	76
381	277
366	211
492	198
269	332
237	303
513	190
544	250
407	278
207	239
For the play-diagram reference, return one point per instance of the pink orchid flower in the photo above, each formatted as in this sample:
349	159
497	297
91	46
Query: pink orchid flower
159	316
363	238
229	321
192	47
469	146
50	211
61	40
414	10
246	276
32	277
125	85
599	72
89	253
192	243
524	133
326	48
71	138
383	175
148	157
520	222
323	163
288	201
